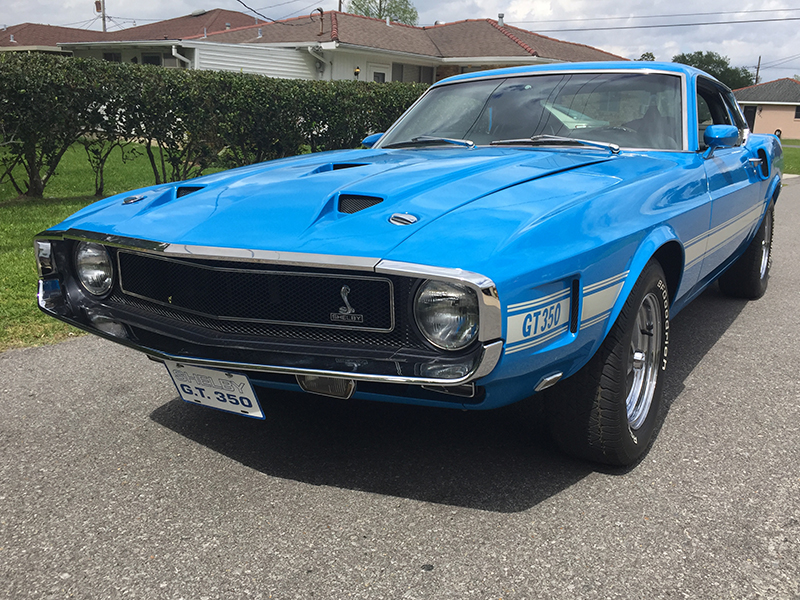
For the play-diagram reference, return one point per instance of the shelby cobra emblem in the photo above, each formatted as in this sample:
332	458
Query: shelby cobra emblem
347	314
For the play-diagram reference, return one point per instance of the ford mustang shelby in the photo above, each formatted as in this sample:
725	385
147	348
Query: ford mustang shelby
515	231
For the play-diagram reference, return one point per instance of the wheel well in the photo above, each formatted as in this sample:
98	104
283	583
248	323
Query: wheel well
670	257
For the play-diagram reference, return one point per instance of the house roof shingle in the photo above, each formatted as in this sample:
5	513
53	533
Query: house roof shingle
781	91
460	39
196	24
45	36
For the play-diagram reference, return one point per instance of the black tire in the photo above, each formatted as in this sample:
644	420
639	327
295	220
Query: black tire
749	275
607	411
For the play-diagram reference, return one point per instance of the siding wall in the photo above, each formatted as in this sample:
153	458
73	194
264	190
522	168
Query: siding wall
286	63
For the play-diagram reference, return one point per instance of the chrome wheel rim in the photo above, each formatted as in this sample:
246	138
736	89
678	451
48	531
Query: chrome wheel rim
642	367
766	243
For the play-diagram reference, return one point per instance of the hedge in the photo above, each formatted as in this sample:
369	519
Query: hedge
187	121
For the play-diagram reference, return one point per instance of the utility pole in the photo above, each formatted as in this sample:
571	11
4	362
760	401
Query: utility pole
340	5
100	7
758	68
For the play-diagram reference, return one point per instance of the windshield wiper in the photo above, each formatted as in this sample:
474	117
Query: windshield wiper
547	140
427	140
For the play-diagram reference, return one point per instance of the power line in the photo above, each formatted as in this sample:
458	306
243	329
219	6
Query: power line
279	4
779	61
664	26
89	23
78	23
302	10
700	14
279	21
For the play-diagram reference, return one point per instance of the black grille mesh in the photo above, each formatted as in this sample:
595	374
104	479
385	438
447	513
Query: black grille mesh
312	295
259	295
352	204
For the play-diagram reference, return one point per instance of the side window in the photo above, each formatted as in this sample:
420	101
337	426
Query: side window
714	109
736	113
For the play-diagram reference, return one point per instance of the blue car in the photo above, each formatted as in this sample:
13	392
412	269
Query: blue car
516	232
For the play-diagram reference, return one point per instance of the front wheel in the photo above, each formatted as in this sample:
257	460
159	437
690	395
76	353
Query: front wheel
607	411
748	276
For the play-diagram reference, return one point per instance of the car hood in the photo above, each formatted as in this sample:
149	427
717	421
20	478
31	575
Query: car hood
292	205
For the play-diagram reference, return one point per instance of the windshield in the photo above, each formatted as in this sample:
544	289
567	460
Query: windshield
632	110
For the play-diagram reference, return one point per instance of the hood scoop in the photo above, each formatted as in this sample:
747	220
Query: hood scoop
185	190
351	203
327	168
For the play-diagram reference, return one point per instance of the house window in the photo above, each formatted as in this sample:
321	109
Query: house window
415	73
112	56
378	73
797	112
151	59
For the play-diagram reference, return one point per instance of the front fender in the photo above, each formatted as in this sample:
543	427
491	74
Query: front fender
663	244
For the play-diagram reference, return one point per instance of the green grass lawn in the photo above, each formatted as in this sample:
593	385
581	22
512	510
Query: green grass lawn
791	160
21	322
75	178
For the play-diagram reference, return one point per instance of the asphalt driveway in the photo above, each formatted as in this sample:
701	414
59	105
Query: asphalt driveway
111	487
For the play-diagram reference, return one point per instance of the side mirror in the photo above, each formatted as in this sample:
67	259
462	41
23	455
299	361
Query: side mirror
778	133
371	140
720	136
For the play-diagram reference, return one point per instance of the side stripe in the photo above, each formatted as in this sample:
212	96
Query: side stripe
699	248
560	295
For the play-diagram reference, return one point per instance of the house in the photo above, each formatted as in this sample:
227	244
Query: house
340	45
35	37
323	45
772	106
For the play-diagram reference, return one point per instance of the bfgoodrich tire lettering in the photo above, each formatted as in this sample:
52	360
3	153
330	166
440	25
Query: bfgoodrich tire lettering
607	411
749	275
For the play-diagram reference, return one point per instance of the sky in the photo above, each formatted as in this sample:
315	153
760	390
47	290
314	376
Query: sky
743	31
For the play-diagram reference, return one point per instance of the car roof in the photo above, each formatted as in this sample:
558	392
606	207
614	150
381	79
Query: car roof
641	66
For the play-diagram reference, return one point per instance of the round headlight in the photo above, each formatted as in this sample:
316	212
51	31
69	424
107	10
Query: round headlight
447	314
94	268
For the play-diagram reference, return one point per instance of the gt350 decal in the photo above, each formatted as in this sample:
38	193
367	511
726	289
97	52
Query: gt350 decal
538	321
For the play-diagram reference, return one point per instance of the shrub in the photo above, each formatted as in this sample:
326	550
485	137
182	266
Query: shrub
187	121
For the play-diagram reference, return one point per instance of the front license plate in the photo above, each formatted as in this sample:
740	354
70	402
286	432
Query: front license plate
222	390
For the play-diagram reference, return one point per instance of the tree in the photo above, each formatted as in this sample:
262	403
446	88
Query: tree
109	118
43	111
717	66
649	56
400	11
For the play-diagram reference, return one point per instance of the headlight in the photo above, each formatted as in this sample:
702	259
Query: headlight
447	314
94	268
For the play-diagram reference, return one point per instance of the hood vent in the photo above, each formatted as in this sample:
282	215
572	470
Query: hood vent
349	203
186	190
339	166
328	167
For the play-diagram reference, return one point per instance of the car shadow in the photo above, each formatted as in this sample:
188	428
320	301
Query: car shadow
488	460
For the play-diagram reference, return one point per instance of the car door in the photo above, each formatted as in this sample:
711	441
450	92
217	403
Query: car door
732	180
